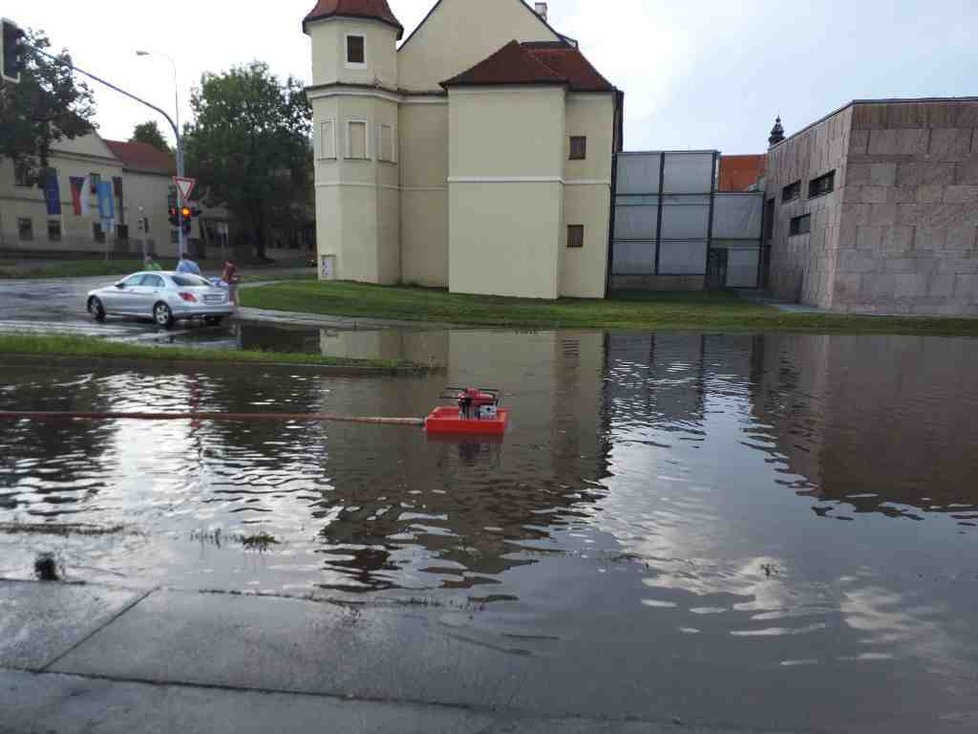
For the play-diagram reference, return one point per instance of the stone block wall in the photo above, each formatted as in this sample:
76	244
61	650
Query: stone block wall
803	266
908	237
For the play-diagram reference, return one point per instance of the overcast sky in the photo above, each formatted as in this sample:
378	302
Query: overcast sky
696	73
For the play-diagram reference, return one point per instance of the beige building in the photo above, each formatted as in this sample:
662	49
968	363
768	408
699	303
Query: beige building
875	209
33	222
477	156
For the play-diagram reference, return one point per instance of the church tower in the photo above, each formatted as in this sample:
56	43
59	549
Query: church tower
355	114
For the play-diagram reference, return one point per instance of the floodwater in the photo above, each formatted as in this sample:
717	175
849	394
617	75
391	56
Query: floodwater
784	523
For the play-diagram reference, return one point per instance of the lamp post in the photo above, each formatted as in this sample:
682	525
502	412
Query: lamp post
182	236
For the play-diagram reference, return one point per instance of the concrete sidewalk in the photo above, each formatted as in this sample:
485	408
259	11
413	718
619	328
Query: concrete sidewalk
89	658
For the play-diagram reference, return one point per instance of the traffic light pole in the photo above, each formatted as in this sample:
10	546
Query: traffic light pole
173	125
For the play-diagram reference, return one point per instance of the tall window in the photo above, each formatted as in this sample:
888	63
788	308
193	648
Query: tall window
791	192
821	185
578	147
575	235
356	50
25	228
54	230
356	142
385	143
800	225
327	139
21	176
97	234
95	179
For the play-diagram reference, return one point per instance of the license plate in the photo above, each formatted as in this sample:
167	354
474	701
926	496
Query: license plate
218	298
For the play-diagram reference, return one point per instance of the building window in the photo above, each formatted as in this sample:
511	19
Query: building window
575	235
25	228
791	192
97	234
96	179
327	139
21	175
174	237
356	139
386	143
821	185
54	230
122	232
356	50
578	148
800	225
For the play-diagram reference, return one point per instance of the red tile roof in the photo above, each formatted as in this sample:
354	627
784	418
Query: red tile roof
740	172
142	157
376	9
534	63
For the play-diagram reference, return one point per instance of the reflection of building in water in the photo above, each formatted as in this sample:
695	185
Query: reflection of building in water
873	420
468	506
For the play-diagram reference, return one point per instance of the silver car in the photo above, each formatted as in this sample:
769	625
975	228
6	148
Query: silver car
164	297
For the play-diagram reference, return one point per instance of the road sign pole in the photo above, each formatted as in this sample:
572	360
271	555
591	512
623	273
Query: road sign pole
180	202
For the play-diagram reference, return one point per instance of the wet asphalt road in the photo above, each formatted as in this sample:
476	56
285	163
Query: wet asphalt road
58	305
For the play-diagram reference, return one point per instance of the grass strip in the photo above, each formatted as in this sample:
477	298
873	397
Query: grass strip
73	269
701	311
78	346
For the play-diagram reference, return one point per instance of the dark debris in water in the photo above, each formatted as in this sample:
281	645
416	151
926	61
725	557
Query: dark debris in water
63	529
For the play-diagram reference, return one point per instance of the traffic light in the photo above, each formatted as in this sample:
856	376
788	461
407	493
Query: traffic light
173	215
11	51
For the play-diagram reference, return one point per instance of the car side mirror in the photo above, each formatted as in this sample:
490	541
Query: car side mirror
120	285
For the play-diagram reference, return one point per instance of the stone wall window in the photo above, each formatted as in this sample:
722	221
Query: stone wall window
327	139
97	234
356	50
791	192
54	230
386	143
575	235
25	229
578	148
821	185
356	139
800	225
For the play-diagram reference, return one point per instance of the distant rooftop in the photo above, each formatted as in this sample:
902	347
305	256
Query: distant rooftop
142	157
375	9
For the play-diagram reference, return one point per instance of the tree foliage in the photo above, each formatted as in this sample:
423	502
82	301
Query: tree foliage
149	132
249	146
47	106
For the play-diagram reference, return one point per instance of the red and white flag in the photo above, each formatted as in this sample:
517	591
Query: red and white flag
79	195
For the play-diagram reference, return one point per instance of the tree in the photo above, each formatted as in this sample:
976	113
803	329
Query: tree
150	133
45	107
249	146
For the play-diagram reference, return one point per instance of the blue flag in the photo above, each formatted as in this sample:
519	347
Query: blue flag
52	194
106	205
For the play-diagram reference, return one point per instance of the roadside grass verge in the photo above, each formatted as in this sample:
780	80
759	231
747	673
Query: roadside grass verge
72	269
701	311
86	347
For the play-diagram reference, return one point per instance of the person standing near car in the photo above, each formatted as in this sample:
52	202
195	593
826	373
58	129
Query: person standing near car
186	265
231	276
151	264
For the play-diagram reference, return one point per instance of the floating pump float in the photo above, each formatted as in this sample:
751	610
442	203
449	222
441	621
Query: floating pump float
476	412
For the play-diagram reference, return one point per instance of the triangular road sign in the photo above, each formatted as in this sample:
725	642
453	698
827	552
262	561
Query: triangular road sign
185	186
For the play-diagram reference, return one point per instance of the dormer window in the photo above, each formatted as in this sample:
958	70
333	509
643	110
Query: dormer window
356	51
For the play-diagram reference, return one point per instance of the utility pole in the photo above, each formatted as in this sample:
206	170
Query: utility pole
181	173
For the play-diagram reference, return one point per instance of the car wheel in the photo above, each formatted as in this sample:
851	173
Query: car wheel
96	309
162	315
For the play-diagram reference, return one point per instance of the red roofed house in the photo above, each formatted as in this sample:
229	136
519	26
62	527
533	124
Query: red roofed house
477	155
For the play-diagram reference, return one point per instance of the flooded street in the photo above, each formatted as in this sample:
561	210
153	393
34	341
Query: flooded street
776	528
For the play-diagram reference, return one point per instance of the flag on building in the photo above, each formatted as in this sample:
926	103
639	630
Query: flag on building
79	195
52	193
106	205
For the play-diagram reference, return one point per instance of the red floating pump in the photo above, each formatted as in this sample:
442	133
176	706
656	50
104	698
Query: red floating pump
476	412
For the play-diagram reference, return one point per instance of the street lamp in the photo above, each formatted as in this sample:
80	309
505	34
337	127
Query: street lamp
180	163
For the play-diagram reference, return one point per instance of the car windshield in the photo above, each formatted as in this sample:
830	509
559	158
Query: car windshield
188	280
